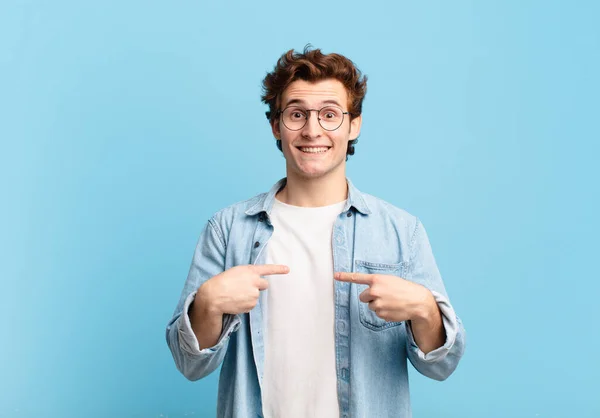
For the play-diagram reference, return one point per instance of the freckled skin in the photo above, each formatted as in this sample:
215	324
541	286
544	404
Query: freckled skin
312	96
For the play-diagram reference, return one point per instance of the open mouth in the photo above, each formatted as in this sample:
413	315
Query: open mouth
314	150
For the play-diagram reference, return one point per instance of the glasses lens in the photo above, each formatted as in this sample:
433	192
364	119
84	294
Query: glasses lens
294	118
331	118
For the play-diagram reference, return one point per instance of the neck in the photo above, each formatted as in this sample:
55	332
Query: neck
307	192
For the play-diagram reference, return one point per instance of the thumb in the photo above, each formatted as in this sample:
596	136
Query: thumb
262	284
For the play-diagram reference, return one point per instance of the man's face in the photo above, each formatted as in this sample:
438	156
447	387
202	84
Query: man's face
312	151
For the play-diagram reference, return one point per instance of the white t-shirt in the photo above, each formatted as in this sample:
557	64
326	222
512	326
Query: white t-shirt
299	370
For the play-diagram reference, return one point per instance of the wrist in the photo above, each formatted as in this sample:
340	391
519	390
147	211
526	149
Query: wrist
204	303
427	310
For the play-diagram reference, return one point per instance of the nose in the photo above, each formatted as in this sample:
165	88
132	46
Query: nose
312	128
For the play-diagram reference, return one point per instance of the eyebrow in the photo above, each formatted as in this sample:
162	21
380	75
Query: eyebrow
300	101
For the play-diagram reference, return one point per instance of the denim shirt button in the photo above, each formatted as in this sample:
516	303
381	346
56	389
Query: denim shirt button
256	244
349	214
341	325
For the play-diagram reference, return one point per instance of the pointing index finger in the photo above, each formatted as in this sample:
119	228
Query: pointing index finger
359	278
269	269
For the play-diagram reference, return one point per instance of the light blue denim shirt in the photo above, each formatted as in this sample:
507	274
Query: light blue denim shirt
369	236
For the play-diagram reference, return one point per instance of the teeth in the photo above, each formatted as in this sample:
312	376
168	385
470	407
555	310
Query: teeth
314	150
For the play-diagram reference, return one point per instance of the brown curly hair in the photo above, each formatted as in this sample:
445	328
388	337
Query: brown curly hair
312	65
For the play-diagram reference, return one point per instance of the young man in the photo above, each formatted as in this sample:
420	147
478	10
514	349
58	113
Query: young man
313	295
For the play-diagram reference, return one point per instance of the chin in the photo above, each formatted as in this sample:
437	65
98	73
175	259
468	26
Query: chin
314	172
314	169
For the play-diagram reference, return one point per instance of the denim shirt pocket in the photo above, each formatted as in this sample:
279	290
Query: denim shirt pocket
367	317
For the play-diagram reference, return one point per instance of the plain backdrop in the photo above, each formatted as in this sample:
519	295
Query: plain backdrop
124	125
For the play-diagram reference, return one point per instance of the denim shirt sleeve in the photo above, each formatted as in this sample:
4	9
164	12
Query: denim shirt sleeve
441	362
208	261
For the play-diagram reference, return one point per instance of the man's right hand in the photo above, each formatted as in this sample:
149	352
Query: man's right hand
236	290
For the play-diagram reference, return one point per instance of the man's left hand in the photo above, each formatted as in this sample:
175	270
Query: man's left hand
393	298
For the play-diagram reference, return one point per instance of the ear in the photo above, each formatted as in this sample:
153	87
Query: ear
355	125
275	129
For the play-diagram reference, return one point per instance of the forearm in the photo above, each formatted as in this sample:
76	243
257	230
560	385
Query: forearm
195	363
207	324
428	328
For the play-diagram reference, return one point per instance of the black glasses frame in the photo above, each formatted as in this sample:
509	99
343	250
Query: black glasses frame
308	111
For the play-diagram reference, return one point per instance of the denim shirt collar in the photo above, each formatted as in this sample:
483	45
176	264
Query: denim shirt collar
265	201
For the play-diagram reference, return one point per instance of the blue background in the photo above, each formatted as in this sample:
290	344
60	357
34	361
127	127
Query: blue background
125	125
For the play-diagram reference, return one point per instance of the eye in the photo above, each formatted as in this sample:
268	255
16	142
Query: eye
295	114
330	113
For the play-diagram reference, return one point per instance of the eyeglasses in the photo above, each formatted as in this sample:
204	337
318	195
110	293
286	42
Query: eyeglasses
294	118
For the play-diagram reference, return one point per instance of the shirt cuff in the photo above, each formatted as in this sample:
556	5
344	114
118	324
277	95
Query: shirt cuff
187	339
450	326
